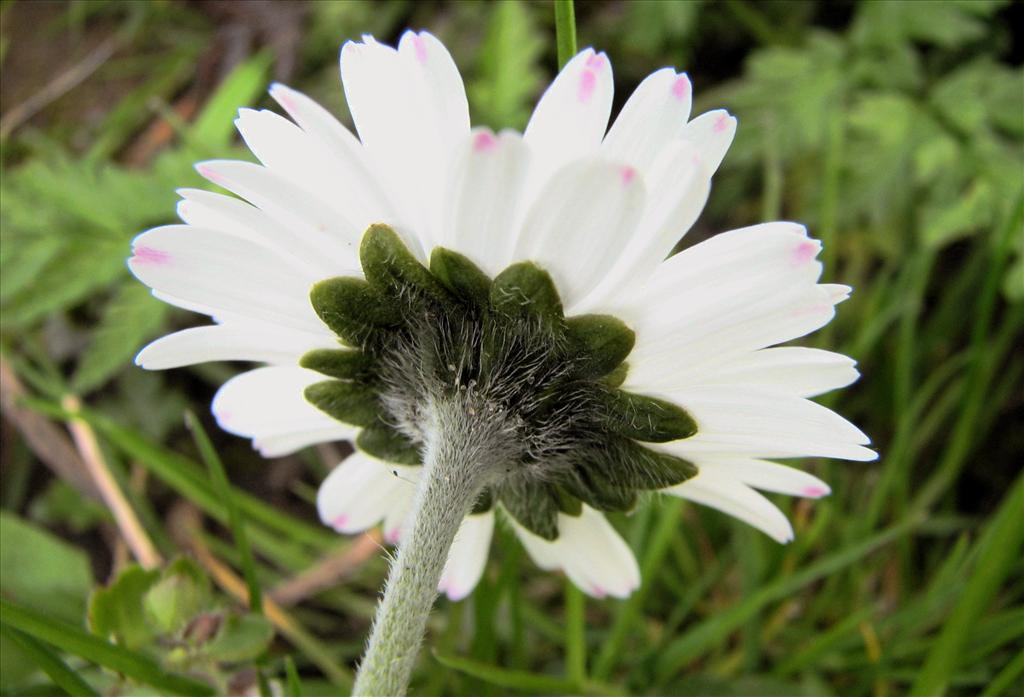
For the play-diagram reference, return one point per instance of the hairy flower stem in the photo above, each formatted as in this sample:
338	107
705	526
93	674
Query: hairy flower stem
462	456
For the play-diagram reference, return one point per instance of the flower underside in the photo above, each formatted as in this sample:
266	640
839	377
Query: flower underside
503	351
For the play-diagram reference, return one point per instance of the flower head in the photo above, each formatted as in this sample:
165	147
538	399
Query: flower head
526	277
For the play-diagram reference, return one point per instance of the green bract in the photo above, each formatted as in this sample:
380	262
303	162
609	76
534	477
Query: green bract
503	347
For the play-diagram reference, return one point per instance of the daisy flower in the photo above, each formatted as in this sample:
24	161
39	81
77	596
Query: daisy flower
526	278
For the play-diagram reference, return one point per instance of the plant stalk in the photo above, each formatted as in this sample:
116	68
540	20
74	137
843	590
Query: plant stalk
454	473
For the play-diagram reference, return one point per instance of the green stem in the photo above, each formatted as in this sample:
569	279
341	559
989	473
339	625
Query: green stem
565	31
452	479
575	634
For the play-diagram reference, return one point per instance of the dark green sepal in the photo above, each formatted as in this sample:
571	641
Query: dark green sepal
352	309
461	277
343	364
389	265
646	418
590	486
385	443
567	503
602	343
617	376
526	289
626	464
484	502
534	506
351	402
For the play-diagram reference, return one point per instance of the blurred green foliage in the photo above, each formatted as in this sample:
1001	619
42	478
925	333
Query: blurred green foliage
894	129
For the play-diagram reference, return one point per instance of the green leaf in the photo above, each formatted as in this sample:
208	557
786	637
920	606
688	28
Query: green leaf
48	662
132	316
177	597
602	342
117	613
21	262
79	271
42	571
348	402
73	640
241	638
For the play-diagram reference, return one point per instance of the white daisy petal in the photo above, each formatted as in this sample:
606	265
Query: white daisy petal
360	492
397	517
218	270
590	552
650	120
281	444
738	500
410	111
792	370
580	223
231	342
269	403
467	556
677	190
571	117
484	203
287	150
316	228
764	475
764	424
712	134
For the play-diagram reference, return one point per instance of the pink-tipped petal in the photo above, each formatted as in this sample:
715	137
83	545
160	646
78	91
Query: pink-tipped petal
149	255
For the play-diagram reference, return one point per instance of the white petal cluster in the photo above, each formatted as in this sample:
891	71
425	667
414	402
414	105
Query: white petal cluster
599	208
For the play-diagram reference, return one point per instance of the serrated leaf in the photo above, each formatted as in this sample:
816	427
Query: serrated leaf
131	317
78	272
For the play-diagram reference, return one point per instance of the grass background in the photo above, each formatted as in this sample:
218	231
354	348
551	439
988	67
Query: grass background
894	130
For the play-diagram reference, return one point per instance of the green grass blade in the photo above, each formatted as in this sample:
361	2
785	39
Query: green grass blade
713	631
512	679
50	663
575	634
227	494
74	640
654	553
1006	678
293	686
998	549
